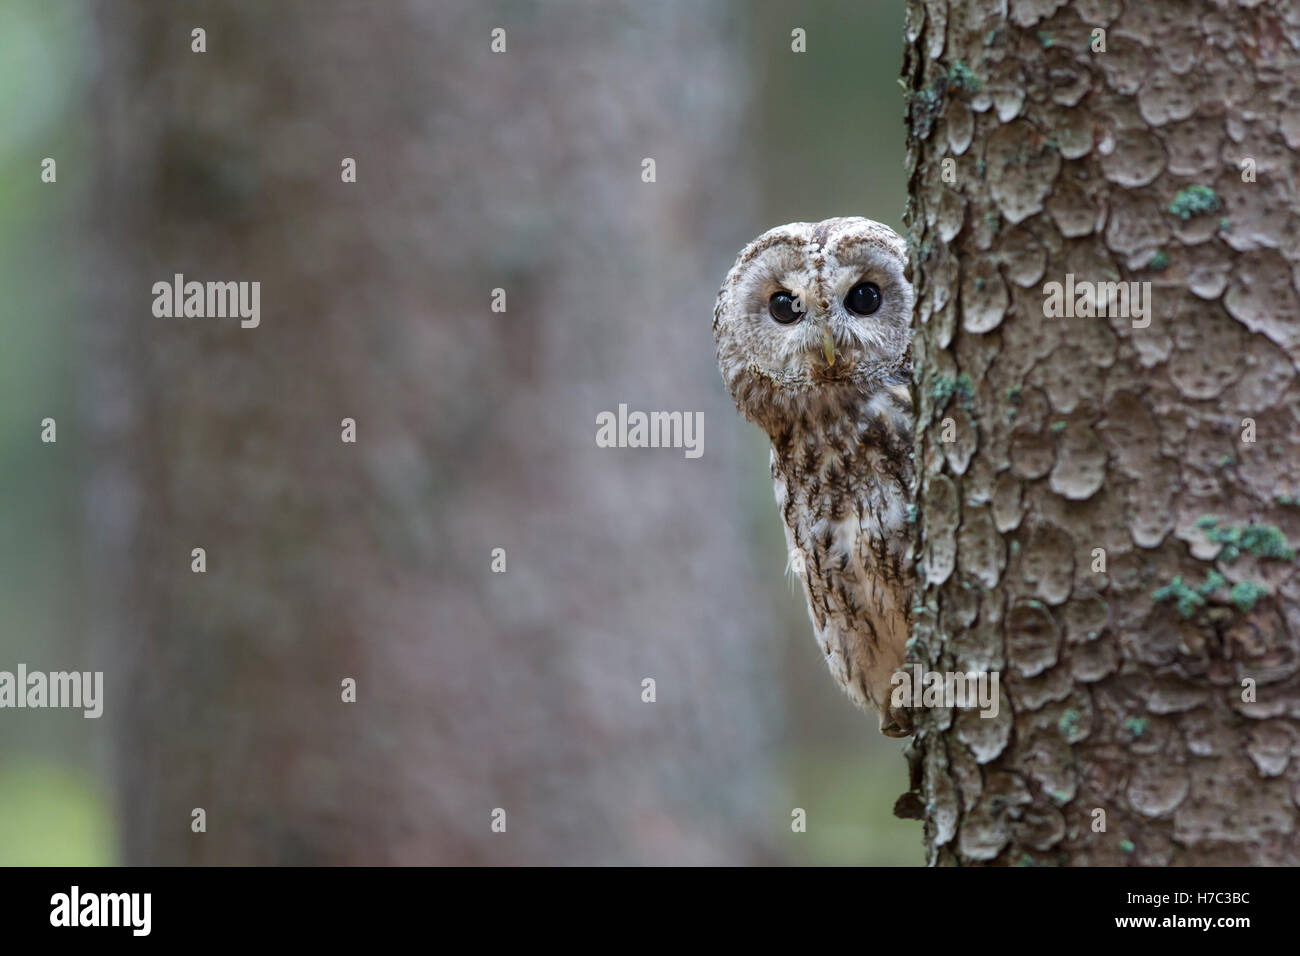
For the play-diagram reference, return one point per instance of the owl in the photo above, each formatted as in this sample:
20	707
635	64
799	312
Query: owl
812	331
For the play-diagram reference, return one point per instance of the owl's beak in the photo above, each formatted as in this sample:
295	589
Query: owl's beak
828	346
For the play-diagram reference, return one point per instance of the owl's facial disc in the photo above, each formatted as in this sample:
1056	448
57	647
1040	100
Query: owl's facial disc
810	316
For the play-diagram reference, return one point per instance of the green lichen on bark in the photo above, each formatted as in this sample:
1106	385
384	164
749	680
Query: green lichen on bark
1246	593
1187	599
1263	541
1195	201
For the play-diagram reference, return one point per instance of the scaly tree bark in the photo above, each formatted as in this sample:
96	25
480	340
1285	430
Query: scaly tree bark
1108	527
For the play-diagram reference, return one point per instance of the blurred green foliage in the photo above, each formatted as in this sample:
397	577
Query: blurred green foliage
51	809
52	815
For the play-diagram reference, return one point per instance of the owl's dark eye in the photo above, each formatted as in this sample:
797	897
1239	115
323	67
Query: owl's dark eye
785	308
863	298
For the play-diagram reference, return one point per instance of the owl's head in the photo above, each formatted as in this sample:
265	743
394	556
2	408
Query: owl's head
813	318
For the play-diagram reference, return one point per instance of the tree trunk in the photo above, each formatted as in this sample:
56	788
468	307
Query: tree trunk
1107	527
475	431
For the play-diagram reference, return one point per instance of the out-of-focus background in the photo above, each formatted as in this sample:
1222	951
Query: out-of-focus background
476	690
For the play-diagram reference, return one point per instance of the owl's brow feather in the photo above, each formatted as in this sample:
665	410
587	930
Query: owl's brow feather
756	248
765	242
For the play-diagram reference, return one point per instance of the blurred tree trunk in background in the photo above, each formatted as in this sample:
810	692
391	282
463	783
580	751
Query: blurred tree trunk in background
1169	158
476	430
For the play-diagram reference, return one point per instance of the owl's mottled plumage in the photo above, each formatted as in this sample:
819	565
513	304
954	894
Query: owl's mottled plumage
831	390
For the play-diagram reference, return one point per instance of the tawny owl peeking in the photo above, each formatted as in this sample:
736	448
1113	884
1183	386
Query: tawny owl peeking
812	328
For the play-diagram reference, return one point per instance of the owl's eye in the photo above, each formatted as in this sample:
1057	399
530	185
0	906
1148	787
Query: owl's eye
863	298
784	308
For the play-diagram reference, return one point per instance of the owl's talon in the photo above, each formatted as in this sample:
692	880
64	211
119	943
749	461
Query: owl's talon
895	722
